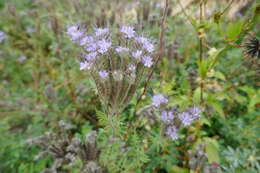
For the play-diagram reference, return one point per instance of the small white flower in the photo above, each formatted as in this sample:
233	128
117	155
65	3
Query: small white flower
132	67
84	65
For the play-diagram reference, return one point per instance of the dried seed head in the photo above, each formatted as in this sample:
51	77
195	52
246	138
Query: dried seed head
251	46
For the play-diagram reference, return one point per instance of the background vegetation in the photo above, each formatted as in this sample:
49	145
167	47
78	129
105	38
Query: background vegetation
40	80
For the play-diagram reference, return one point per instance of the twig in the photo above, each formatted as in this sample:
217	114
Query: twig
159	55
201	54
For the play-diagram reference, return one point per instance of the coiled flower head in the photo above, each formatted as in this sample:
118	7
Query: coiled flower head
116	61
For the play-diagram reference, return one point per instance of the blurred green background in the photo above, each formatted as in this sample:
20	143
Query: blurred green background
40	80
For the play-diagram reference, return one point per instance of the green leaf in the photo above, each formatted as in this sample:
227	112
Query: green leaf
234	29
212	153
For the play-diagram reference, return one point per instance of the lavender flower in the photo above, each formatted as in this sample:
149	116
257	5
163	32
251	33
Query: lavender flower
86	40
147	45
137	54
195	111
84	65
147	61
171	131
103	46
3	36
74	32
121	49
128	31
91	56
159	99
103	74
101	31
167	116
91	47
190	115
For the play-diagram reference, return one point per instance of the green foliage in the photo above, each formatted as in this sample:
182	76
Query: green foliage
48	86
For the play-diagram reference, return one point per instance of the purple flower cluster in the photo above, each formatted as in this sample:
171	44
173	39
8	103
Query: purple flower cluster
99	45
159	99
188	116
172	118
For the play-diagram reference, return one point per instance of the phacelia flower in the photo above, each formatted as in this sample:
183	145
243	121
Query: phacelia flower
121	49
159	99
74	32
128	31
103	46
3	36
147	61
103	74
195	111
167	116
86	40
101	31
171	131
90	57
91	47
190	115
147	45
137	54
84	65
